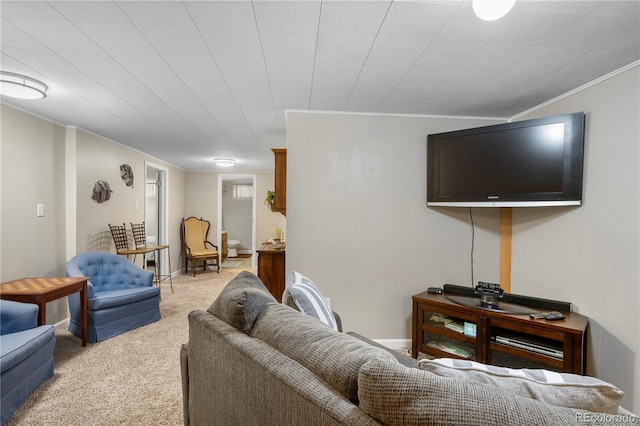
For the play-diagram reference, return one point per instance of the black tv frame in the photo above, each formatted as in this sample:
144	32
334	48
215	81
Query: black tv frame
572	167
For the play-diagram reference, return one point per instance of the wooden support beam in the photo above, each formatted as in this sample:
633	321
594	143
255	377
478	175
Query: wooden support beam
505	248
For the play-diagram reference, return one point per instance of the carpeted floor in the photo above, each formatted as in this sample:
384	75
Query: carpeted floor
130	379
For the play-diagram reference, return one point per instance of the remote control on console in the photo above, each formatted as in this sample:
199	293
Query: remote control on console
553	316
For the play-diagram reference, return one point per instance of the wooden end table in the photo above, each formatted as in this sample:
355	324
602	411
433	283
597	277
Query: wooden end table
43	290
271	269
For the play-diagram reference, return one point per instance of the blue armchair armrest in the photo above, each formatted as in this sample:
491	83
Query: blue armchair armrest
17	316
73	270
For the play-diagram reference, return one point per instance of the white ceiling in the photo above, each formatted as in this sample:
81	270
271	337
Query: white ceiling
187	81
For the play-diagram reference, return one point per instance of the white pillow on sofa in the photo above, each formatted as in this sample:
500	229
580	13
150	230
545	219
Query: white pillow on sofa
308	299
560	389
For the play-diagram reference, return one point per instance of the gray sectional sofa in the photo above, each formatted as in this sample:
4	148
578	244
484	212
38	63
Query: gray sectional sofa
253	361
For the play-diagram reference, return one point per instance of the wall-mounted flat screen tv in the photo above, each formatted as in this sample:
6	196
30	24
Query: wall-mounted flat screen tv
526	163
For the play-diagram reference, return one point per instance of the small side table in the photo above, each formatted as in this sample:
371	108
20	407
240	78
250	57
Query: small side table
43	290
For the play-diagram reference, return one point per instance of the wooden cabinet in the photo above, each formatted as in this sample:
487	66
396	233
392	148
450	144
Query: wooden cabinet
271	269
224	250
280	202
445	329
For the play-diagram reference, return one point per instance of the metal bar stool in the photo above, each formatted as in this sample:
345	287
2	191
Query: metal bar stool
121	240
140	239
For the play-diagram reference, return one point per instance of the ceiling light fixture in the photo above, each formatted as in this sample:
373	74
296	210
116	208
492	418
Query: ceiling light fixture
224	162
21	87
490	10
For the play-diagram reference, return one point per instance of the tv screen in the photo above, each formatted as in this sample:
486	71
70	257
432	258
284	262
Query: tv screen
521	164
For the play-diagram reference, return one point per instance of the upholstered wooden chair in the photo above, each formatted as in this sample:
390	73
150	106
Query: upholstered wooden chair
196	246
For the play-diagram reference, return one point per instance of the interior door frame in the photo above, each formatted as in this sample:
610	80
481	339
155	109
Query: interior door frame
254	179
163	212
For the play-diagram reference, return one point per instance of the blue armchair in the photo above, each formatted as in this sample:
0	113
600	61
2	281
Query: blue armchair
26	354
120	294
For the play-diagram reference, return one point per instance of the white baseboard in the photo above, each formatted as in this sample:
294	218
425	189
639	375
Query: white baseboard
62	325
395	343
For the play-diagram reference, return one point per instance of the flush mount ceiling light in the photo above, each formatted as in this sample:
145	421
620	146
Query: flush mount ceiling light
21	87
490	10
224	162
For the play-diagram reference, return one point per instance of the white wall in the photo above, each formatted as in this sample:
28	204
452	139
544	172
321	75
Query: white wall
99	158
590	255
358	224
32	169
359	228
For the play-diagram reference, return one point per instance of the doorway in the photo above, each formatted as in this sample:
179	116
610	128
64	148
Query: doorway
237	212
155	212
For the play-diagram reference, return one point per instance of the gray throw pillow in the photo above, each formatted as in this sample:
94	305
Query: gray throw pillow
241	301
561	389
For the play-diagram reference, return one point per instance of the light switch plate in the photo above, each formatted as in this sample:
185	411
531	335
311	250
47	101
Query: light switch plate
40	210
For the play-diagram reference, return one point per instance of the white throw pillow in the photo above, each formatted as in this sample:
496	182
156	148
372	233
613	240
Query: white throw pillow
309	300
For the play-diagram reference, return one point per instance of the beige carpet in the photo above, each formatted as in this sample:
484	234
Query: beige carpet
130	379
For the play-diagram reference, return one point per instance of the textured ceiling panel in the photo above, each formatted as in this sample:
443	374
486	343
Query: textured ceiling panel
187	81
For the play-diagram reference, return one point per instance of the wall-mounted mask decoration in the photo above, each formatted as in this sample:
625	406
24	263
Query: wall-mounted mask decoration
101	191
127	174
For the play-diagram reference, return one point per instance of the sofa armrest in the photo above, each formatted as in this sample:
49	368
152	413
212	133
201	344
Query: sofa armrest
405	360
623	411
17	316
184	368
338	320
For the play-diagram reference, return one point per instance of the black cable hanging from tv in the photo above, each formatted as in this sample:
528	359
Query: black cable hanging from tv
473	240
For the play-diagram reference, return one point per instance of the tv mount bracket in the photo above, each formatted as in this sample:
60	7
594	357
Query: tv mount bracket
489	294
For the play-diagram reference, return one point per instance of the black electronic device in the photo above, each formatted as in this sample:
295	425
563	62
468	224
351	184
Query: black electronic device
510	303
526	163
434	290
553	316
489	294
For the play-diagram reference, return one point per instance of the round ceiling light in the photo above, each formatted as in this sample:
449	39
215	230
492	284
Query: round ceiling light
224	162
21	87
490	10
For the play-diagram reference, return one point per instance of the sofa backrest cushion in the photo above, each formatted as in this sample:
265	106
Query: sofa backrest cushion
333	356
562	389
241	301
396	395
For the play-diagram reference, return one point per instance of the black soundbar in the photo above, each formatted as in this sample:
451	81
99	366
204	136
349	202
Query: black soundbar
516	299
